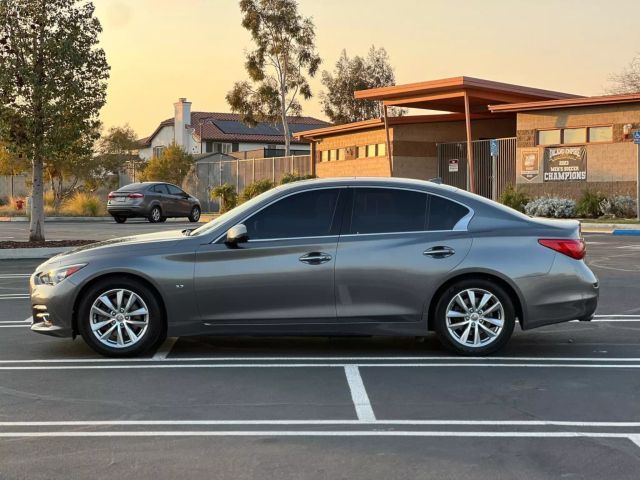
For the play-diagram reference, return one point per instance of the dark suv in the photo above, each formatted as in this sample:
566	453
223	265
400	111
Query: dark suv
152	200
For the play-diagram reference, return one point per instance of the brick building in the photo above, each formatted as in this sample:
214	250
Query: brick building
552	142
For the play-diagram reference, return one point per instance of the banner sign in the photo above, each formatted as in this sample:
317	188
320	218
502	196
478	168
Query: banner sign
530	164
565	164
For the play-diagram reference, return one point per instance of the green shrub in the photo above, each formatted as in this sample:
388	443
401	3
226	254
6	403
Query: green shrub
514	198
294	177
84	205
552	207
256	188
588	205
227	195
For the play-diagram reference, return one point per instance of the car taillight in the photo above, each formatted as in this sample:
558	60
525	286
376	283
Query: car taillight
112	195
574	248
136	195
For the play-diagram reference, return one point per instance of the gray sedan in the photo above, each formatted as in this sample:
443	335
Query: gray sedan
326	257
155	201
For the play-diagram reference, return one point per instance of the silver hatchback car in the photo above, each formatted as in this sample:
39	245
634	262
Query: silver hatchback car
326	257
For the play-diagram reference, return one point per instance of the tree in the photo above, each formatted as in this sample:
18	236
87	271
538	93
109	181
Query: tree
171	166
118	149
628	81
52	84
357	73
285	53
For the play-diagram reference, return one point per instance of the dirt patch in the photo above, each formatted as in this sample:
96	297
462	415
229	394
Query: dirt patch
49	244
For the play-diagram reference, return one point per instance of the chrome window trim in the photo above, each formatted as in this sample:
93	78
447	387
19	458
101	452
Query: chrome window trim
460	226
277	200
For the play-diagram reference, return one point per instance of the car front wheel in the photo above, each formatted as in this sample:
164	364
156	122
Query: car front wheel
474	317
120	318
195	214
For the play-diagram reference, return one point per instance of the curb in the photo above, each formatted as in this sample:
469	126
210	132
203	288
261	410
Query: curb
59	219
31	253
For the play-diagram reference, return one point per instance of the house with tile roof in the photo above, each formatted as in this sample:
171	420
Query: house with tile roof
214	132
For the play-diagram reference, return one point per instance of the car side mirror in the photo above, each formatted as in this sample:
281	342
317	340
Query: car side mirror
237	234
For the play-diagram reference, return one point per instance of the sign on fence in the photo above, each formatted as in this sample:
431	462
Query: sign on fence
453	165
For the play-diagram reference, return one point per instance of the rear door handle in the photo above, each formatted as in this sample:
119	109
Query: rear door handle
315	258
439	252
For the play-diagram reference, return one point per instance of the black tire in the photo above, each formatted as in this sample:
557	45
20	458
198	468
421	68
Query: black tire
162	219
479	286
155	214
151	337
119	218
195	214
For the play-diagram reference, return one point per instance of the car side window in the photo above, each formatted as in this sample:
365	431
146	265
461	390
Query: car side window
388	210
305	214
159	189
444	214
173	190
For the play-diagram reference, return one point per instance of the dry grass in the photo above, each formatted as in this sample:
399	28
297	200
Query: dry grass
84	205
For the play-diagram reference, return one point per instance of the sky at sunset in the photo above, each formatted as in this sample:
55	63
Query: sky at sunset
160	50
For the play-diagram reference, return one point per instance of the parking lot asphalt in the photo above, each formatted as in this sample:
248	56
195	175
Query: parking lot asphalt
19	231
559	401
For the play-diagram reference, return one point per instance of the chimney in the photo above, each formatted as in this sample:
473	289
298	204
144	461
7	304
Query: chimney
182	117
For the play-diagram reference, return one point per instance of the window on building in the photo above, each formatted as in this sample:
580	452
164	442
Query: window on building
549	137
386	210
574	135
157	151
382	149
600	134
371	150
444	214
341	154
324	155
362	151
307	214
218	147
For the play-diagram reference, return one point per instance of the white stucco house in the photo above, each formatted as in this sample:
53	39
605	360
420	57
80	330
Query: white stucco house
214	132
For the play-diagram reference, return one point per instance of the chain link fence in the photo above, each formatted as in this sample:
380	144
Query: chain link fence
208	174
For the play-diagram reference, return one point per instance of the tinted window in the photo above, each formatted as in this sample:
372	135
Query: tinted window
307	214
159	189
444	214
132	187
381	210
173	190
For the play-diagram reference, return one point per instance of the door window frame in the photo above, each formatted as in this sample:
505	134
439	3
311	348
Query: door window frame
336	222
460	226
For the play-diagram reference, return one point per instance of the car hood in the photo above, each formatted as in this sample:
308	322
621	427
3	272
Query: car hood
111	246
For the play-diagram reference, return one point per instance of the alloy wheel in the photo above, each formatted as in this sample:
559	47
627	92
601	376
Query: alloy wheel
475	317
155	214
119	318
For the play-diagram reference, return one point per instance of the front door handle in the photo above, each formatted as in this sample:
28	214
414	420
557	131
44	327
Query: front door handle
315	258
439	252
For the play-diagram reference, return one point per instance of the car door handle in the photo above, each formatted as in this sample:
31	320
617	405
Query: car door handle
315	258
439	252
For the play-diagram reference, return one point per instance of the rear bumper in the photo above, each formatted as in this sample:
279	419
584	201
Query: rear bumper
127	211
568	292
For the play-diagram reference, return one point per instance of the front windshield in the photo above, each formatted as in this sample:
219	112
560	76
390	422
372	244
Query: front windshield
246	206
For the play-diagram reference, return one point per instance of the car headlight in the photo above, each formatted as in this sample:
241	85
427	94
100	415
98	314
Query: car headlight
55	276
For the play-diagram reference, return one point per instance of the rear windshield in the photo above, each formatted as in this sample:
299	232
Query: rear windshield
133	187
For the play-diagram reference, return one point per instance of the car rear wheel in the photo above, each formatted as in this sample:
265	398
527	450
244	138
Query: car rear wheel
474	317
155	215
195	214
119	218
120	318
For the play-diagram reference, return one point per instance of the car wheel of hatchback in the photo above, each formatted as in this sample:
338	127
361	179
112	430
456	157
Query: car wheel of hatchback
120	318
474	317
120	219
155	215
195	214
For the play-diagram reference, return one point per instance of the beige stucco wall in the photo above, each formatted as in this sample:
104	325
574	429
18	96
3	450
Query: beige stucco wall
611	167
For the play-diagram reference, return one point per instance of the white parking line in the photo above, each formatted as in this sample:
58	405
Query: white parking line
165	349
359	394
17	322
15	326
322	433
467	423
14	275
167	365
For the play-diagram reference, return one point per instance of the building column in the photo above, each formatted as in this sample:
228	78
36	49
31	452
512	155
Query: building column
388	142
471	181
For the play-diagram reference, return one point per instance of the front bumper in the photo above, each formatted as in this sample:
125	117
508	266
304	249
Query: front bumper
52	308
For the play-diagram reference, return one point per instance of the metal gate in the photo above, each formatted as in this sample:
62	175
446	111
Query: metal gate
454	172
